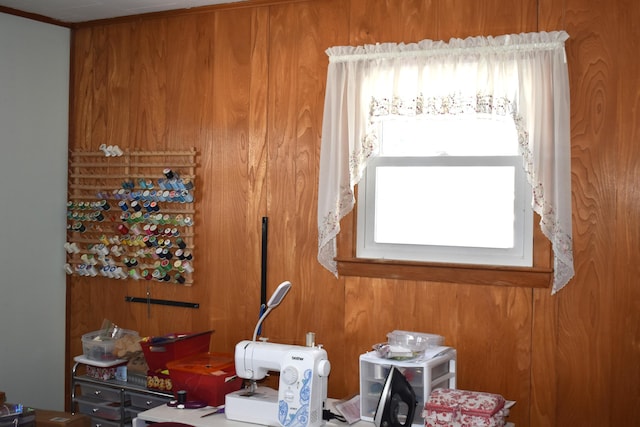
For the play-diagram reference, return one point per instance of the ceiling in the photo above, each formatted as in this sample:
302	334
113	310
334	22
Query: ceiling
74	11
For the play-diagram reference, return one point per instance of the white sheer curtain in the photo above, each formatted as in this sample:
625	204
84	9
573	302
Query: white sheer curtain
522	77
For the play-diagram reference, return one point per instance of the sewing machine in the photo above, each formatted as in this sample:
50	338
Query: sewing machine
302	390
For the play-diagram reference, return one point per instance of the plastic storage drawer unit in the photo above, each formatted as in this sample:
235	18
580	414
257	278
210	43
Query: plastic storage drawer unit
424	375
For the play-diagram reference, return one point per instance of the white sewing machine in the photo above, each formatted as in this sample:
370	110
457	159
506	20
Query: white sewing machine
302	390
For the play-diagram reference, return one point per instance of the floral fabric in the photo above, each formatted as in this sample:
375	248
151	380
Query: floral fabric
463	408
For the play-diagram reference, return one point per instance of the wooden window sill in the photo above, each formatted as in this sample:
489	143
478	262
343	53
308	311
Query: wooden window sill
530	277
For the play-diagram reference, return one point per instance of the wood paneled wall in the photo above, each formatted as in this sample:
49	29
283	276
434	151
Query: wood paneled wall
244	84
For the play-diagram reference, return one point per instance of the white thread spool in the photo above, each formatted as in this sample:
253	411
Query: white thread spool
311	339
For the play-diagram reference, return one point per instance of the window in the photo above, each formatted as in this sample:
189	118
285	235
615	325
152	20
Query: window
517	78
449	190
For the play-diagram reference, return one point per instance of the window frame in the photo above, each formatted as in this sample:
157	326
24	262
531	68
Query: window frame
521	255
540	275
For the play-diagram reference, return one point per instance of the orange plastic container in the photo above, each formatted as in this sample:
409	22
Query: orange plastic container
205	376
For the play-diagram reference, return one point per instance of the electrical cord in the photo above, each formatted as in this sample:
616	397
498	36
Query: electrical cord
327	415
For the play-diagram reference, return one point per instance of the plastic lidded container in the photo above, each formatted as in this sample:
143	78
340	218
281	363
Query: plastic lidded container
205	376
95	346
414	341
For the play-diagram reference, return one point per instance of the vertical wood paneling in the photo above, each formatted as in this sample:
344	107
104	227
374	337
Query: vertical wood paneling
299	35
245	86
118	79
625	349
585	308
467	18
393	21
149	80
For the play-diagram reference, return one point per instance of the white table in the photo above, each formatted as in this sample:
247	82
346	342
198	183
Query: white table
192	417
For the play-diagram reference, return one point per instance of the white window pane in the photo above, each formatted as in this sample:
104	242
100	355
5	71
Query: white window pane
445	206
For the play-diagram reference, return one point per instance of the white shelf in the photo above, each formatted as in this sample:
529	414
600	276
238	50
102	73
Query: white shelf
101	364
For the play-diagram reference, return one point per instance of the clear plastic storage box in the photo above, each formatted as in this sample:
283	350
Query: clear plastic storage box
95	346
423	374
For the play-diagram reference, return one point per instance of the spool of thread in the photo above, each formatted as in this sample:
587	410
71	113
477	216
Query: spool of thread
187	267
181	244
311	339
188	184
116	151
68	269
169	174
179	278
122	229
120	273
133	273
105	271
105	150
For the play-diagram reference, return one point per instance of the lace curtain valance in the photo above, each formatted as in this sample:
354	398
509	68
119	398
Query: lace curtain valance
522	77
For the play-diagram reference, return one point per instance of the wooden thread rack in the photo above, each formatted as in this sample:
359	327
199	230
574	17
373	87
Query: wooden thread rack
132	216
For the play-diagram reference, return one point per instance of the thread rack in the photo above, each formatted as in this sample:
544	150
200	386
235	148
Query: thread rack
131	215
